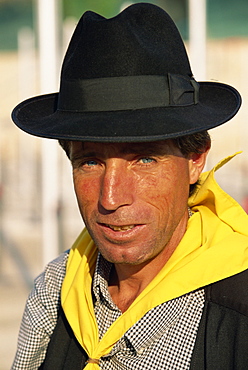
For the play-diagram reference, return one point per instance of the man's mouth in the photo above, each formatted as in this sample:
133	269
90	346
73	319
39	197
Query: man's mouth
120	228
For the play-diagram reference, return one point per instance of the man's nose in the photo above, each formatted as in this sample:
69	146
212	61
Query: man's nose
116	186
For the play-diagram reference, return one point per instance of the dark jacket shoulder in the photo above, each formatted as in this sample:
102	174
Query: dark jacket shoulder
222	338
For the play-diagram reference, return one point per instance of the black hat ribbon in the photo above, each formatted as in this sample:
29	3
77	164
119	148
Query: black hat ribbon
127	92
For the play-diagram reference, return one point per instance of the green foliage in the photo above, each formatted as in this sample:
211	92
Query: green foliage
107	8
13	15
75	8
226	18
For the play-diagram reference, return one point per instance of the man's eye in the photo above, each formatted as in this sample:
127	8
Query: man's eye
146	160
90	163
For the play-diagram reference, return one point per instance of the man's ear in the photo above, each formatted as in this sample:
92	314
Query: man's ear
196	165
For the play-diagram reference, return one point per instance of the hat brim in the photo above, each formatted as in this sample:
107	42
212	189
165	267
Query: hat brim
38	116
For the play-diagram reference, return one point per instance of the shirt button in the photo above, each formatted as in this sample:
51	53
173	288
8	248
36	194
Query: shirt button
140	351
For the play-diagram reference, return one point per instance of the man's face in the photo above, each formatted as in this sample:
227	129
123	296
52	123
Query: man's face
133	197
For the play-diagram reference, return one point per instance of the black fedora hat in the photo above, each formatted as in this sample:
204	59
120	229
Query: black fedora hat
127	79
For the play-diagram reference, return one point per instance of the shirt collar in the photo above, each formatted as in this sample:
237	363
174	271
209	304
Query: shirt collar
168	312
100	280
159	321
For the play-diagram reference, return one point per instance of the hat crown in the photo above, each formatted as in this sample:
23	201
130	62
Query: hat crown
127	79
142	40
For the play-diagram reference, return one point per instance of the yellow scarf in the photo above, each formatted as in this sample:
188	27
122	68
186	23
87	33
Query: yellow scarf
214	247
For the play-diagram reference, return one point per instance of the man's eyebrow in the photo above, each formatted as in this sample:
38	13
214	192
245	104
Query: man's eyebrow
82	154
146	149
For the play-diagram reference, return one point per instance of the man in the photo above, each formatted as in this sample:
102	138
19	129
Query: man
156	280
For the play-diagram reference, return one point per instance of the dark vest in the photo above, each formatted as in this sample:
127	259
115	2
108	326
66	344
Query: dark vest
221	342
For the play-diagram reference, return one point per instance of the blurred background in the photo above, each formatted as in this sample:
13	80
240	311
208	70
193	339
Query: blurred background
38	211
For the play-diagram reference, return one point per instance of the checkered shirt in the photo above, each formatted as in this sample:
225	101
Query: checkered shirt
40	316
162	339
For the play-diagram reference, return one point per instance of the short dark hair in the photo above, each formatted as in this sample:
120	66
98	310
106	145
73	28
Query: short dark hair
194	143
65	144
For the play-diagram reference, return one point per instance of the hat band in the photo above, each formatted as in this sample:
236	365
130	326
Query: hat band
127	93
